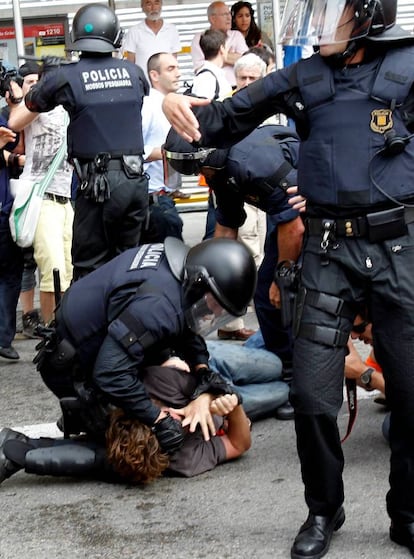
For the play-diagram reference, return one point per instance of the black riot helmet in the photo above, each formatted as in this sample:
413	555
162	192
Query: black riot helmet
188	159
219	282
384	16
96	28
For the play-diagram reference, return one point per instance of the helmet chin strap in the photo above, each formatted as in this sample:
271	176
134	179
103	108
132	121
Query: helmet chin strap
338	59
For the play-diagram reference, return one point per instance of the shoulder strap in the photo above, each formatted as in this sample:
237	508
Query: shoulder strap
314	80
395	76
203	70
136	332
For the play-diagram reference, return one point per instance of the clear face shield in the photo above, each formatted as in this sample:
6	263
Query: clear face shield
206	315
321	22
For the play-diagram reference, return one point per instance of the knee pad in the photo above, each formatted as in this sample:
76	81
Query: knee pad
331	306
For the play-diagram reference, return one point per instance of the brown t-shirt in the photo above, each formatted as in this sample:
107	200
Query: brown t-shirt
174	388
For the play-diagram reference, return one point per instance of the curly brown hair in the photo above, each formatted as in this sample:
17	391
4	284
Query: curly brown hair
133	449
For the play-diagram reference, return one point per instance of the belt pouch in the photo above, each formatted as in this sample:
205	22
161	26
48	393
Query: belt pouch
132	165
63	356
386	225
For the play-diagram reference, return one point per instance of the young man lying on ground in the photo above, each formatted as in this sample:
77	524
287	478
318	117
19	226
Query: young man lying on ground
129	450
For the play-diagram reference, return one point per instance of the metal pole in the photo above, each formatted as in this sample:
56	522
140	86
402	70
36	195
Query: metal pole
18	25
276	25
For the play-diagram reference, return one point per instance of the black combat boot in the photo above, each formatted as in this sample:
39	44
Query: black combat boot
314	537
7	466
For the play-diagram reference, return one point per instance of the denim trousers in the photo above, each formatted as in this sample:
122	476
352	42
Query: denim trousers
254	372
11	270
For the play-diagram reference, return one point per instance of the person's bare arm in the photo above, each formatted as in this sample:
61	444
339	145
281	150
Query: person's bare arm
289	242
355	366
232	58
155	155
20	116
226	232
237	439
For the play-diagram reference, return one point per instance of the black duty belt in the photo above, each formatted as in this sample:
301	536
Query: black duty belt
114	165
56	198
351	226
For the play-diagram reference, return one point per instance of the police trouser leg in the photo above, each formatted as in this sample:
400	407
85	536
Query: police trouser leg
392	311
322	462
70	459
89	245
323	325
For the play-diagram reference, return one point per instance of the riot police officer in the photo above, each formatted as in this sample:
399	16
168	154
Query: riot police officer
352	102
257	170
135	311
103	96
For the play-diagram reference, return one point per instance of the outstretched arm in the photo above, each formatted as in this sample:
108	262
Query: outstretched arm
177	109
20	116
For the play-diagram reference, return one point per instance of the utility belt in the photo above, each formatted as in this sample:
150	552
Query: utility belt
56	198
378	226
92	175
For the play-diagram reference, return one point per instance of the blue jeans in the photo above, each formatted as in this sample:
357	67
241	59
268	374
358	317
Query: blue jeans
11	270
255	373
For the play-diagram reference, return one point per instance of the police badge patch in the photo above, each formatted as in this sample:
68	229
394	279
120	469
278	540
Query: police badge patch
381	120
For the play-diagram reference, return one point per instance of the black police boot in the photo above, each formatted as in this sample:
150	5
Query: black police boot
314	537
7	466
403	534
285	412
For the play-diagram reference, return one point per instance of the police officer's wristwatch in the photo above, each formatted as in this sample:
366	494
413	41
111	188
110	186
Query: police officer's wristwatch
366	377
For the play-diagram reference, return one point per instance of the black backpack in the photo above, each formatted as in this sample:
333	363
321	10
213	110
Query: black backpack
189	87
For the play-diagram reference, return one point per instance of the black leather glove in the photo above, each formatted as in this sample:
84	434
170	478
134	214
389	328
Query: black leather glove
50	63
213	383
170	434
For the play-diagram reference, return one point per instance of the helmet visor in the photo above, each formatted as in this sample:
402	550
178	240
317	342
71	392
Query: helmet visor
206	315
321	22
187	163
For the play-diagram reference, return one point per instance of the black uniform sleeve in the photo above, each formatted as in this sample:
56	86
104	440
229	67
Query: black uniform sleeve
50	91
116	374
192	348
223	123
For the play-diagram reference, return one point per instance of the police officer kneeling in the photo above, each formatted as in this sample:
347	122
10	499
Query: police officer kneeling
144	305
103	97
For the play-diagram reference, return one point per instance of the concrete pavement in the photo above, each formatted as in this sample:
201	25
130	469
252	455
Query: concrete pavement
247	509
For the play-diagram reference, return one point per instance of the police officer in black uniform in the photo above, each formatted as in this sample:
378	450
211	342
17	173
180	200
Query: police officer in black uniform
103	96
257	170
353	106
137	310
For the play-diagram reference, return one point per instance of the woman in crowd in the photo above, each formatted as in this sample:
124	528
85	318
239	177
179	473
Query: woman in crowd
242	19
